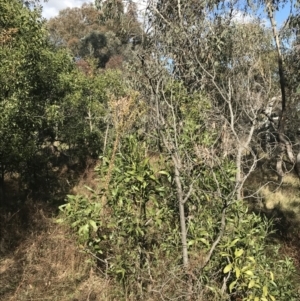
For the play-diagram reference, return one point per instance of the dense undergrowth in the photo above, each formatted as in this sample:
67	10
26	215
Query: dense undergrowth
43	259
129	171
126	244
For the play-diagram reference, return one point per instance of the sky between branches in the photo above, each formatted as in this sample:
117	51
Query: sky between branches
52	7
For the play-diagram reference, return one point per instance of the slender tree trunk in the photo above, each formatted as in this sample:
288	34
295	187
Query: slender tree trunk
239	173
2	185
284	144
180	199
90	120
105	138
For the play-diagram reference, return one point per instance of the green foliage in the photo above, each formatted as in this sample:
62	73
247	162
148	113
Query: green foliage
84	217
44	98
136	196
135	228
254	268
89	33
83	112
101	46
29	76
131	224
138	220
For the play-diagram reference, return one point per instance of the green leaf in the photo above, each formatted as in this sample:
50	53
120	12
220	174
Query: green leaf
227	269
265	290
94	225
238	252
249	273
152	177
233	243
83	230
251	283
163	172
273	283
251	258
231	286
139	178
205	241
237	272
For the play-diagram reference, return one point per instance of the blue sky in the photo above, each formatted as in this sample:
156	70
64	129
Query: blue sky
281	15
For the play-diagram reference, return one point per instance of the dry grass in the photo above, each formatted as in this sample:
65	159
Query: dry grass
40	260
292	180
284	198
88	178
48	265
281	196
281	202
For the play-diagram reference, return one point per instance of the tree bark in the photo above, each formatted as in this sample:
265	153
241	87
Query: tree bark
284	144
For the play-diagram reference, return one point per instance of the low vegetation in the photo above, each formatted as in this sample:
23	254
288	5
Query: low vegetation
149	162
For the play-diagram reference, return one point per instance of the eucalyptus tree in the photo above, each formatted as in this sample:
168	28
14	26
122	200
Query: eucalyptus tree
206	78
291	48
73	24
226	63
104	32
284	145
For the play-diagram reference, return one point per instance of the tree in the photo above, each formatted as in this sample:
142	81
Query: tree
222	60
284	144
27	61
72	25
203	80
102	34
39	84
202	76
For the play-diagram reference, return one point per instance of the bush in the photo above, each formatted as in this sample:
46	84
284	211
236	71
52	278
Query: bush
133	230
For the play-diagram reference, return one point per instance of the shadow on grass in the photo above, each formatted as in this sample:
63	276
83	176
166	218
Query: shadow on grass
43	182
31	245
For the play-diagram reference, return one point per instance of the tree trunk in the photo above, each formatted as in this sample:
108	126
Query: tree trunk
181	213
2	184
284	144
239	173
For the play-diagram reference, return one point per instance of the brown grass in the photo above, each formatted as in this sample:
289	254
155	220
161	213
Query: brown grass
89	178
281	202
47	264
39	259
